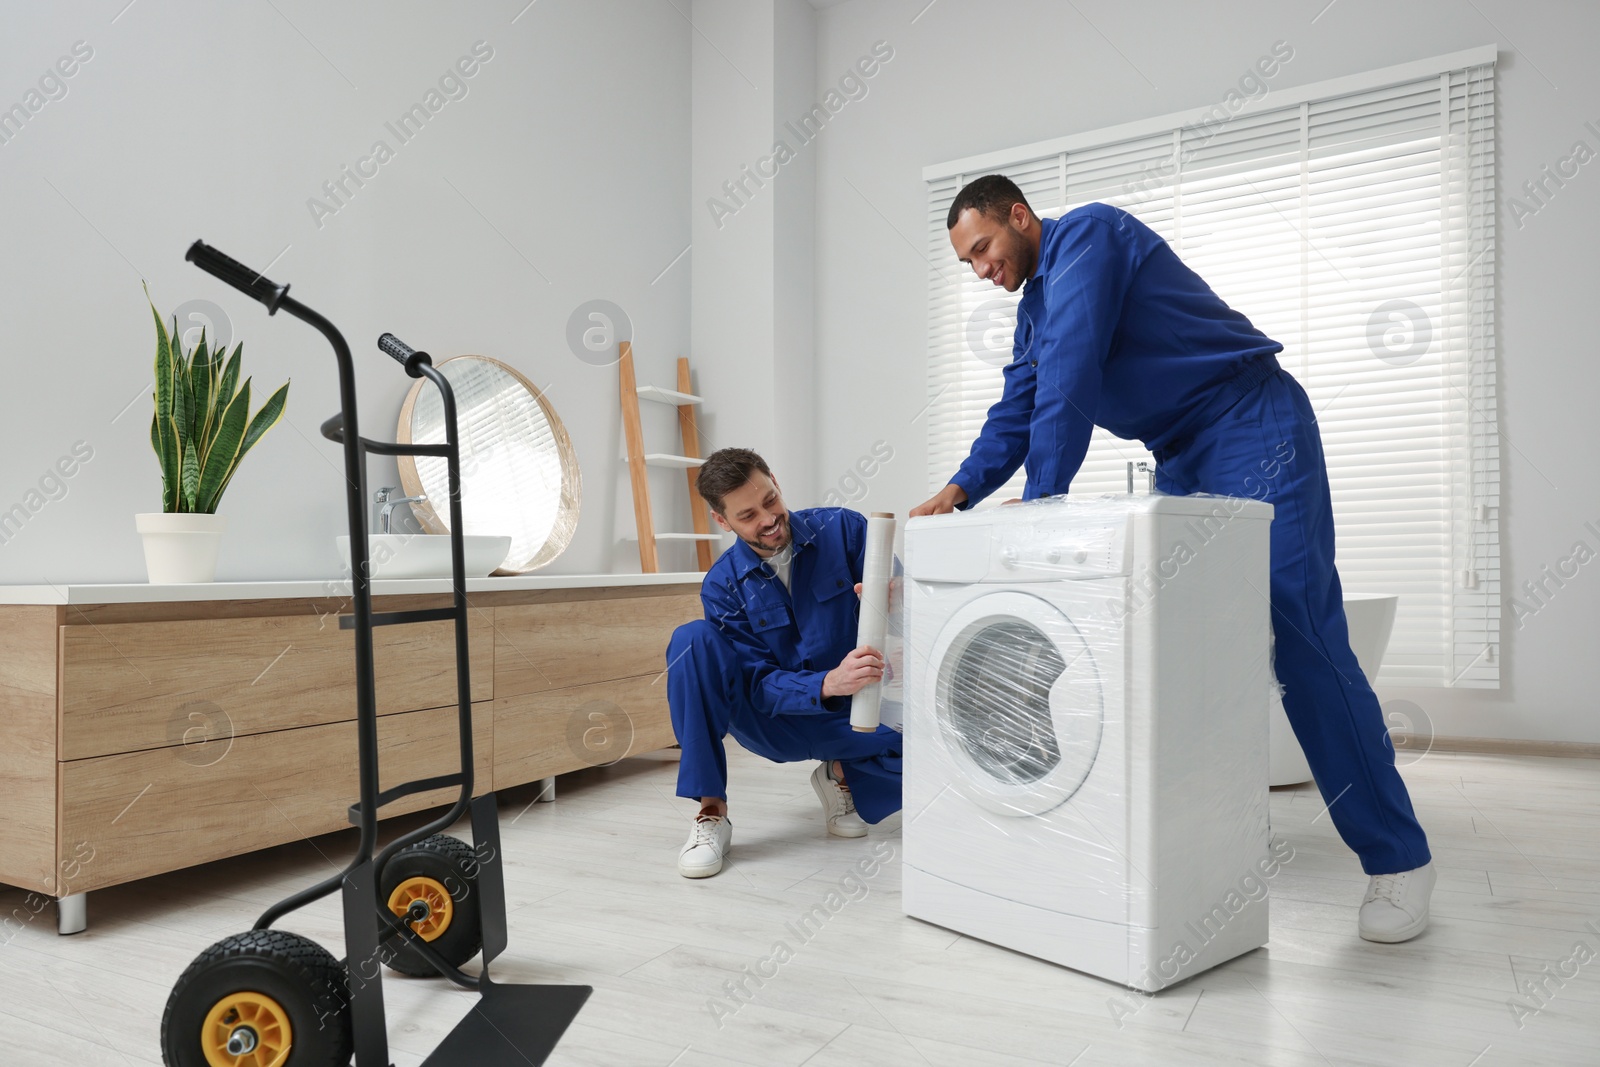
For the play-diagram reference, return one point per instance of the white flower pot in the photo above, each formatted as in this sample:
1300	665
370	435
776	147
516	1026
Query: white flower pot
181	548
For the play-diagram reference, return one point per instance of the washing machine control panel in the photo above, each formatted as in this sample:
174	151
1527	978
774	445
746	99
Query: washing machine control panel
1054	551
1018	544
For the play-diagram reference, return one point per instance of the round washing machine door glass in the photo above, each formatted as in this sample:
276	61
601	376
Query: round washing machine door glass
1017	702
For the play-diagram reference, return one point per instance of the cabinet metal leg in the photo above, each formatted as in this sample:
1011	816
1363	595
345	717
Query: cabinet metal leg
547	790
72	914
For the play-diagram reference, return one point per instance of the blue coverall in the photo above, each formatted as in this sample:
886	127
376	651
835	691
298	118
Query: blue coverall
1114	330
753	667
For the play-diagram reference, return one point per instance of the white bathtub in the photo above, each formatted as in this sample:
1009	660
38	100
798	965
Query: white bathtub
1370	617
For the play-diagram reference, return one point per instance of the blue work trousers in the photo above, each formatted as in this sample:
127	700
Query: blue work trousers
1266	446
709	700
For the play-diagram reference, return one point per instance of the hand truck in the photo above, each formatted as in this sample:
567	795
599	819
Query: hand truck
423	905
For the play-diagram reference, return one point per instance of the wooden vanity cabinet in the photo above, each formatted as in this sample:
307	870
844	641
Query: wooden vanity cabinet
147	737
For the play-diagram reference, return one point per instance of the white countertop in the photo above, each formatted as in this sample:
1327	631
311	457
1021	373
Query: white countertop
145	593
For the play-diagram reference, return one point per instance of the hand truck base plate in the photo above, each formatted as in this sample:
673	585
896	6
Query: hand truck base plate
511	1026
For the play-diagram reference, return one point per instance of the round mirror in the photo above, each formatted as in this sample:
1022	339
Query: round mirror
519	474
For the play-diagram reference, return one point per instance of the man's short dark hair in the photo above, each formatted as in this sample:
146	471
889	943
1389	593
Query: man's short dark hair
724	471
992	195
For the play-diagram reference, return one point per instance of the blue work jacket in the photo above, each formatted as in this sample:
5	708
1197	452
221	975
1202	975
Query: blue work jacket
787	641
1113	330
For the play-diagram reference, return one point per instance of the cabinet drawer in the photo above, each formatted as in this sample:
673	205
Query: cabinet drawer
540	647
144	813
585	726
143	685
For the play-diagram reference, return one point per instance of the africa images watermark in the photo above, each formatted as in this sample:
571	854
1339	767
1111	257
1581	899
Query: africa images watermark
452	86
52	86
1145	584
69	868
599	732
596	331
852	886
1407	731
1251	86
459	884
342	589
1250	889
1399	332
852	485
201	732
1538	991
52	486
853	85
1540	191
1537	593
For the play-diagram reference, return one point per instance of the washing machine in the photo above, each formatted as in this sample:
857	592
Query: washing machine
1086	696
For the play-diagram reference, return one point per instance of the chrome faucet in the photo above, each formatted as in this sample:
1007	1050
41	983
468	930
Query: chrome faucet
1143	467
389	503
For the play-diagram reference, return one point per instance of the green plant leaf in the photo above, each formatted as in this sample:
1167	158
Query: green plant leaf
163	369
219	459
191	476
171	456
264	420
191	391
230	379
158	442
213	391
182	397
165	443
202	379
226	373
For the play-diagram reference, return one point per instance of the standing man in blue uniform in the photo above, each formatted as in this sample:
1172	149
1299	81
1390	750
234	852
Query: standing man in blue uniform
1114	330
775	662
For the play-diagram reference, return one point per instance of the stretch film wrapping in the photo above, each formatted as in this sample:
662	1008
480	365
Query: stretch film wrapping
873	627
1086	695
891	705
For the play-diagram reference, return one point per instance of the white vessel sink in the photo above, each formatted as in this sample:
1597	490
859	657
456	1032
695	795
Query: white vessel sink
427	555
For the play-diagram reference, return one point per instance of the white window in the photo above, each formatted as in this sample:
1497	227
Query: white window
1353	222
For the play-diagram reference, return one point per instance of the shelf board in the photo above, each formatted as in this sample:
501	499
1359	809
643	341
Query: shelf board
664	459
677	537
667	396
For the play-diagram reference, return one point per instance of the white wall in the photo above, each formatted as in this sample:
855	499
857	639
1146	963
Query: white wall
731	259
753	228
220	121
794	245
968	78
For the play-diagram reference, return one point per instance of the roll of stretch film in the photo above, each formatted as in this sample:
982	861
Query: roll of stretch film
876	571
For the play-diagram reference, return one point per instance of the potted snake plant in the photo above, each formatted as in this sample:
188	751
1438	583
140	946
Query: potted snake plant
200	431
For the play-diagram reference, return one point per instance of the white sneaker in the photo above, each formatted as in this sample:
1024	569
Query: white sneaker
1396	905
837	805
709	840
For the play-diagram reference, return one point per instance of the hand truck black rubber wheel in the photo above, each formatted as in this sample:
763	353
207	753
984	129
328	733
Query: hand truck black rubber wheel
267	998
434	882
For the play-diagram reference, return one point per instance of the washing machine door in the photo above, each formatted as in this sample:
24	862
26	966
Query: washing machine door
1018	702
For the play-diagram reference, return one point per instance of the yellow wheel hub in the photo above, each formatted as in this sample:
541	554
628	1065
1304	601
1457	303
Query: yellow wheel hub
246	1030
441	908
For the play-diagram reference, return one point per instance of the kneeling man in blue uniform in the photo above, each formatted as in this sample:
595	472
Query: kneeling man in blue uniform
1115	330
774	662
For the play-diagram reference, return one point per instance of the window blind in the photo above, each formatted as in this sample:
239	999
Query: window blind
1353	223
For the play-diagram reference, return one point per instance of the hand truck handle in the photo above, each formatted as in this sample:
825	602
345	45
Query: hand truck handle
249	282
404	354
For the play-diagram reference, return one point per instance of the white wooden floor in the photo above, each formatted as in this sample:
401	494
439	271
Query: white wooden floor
596	900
